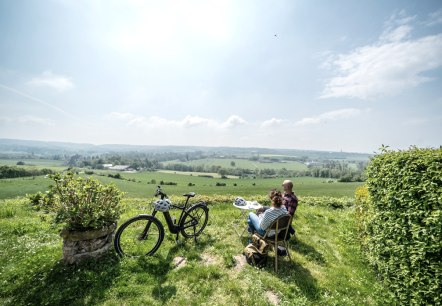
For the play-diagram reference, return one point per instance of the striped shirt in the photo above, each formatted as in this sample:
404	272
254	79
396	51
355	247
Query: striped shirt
270	215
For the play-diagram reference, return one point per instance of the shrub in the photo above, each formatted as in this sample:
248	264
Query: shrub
168	183
401	222
116	176
220	184
80	203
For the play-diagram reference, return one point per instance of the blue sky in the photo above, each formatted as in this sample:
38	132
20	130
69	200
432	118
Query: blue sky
321	75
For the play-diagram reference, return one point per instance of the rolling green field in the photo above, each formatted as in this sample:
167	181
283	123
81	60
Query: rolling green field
241	163
303	186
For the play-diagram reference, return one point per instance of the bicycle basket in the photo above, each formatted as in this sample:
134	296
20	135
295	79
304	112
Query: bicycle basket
162	205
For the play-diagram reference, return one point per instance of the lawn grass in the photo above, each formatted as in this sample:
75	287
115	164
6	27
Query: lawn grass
327	267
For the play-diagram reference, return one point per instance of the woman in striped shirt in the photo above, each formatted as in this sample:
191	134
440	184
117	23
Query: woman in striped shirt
262	222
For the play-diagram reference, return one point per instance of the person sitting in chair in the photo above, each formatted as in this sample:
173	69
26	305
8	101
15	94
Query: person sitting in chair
289	200
263	221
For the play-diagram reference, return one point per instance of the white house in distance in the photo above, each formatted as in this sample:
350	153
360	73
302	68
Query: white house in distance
117	167
120	168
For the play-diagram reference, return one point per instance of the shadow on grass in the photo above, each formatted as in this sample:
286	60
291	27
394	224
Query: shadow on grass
308	251
294	272
160	266
304	280
82	284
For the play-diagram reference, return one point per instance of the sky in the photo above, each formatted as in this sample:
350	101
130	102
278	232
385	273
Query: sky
319	75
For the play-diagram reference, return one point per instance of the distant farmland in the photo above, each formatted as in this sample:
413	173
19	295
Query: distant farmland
241	163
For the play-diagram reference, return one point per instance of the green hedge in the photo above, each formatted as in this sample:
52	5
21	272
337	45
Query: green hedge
400	220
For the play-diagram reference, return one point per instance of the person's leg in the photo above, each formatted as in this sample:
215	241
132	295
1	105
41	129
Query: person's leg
253	222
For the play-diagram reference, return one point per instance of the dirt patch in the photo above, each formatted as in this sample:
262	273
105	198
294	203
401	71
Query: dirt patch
240	261
272	297
209	259
179	262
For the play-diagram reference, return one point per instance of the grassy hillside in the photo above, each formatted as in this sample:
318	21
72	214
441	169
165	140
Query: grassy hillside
326	268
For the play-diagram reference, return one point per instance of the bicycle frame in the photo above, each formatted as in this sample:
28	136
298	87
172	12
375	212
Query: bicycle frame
174	227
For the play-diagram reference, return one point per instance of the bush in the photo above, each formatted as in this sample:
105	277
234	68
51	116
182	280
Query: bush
80	203
13	172
168	183
116	176
400	220
220	184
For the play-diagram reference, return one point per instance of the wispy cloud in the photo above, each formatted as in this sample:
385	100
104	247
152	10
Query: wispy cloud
48	79
272	122
389	66
434	18
188	122
27	120
35	99
329	116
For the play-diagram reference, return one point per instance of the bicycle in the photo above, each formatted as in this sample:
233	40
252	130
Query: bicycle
142	235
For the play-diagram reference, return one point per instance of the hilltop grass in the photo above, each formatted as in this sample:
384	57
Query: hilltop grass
327	267
304	186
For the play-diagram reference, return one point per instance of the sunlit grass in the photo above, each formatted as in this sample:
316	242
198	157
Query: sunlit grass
327	267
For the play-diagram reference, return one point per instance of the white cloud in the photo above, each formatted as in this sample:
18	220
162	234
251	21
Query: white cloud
187	122
393	64
272	122
27	120
48	79
233	121
330	116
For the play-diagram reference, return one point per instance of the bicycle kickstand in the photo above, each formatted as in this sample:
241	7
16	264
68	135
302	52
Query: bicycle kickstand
194	236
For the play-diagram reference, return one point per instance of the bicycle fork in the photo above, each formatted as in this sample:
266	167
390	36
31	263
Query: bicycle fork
144	234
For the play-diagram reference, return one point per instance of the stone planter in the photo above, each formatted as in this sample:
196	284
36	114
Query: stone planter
88	244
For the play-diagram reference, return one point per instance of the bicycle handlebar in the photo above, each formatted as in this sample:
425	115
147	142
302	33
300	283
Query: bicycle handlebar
159	192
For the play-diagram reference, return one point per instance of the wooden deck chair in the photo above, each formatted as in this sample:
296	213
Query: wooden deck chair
281	225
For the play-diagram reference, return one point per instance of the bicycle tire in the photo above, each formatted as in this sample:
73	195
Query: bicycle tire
192	215
131	235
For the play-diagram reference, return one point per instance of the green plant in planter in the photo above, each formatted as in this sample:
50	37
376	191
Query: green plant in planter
82	203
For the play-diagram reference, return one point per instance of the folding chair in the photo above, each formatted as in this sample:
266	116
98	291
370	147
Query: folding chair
281	224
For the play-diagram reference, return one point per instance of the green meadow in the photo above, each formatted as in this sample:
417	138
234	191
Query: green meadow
139	185
327	267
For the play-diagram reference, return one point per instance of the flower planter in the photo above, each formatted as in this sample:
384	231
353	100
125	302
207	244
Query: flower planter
79	245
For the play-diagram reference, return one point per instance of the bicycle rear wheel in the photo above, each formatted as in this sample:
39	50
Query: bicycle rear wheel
139	236
194	220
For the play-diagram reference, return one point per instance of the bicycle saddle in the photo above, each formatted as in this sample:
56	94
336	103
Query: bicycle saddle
189	195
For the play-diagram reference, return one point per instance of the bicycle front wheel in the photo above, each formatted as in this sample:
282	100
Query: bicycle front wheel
139	236
194	220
